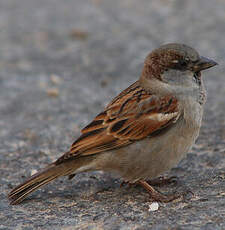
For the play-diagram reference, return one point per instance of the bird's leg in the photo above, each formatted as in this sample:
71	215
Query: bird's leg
71	176
160	181
156	195
126	183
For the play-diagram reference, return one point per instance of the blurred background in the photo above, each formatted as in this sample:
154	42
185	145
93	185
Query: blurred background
61	62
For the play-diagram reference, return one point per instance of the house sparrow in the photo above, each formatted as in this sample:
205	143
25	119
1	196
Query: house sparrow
144	131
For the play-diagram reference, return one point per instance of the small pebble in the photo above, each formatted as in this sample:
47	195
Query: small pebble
53	92
153	207
33	171
55	79
78	34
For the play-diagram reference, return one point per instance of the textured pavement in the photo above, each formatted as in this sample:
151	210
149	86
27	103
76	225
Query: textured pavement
60	63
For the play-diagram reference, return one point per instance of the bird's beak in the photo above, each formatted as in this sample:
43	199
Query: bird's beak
204	63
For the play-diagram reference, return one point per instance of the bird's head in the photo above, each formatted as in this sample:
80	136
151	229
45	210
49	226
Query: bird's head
175	64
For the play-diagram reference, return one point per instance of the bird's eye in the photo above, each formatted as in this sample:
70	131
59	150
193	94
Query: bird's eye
181	63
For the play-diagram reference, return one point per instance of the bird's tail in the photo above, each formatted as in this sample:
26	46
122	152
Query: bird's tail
39	179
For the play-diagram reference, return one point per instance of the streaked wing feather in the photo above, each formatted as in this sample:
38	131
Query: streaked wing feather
133	115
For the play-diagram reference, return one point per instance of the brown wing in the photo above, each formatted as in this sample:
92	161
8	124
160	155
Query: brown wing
133	115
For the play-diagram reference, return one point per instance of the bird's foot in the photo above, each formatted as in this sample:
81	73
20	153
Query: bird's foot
156	196
124	183
160	181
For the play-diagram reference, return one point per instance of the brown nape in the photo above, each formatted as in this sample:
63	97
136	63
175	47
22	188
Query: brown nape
157	62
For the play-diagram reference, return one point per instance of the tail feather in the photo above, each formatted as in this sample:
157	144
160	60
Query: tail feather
39	179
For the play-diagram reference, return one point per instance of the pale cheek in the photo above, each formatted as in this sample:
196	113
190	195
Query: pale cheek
177	77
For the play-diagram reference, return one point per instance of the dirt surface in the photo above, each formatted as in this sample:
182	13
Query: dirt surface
60	63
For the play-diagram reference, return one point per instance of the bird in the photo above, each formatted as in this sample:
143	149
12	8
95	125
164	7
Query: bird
144	131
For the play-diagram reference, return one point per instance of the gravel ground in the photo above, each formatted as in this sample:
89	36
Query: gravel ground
60	63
